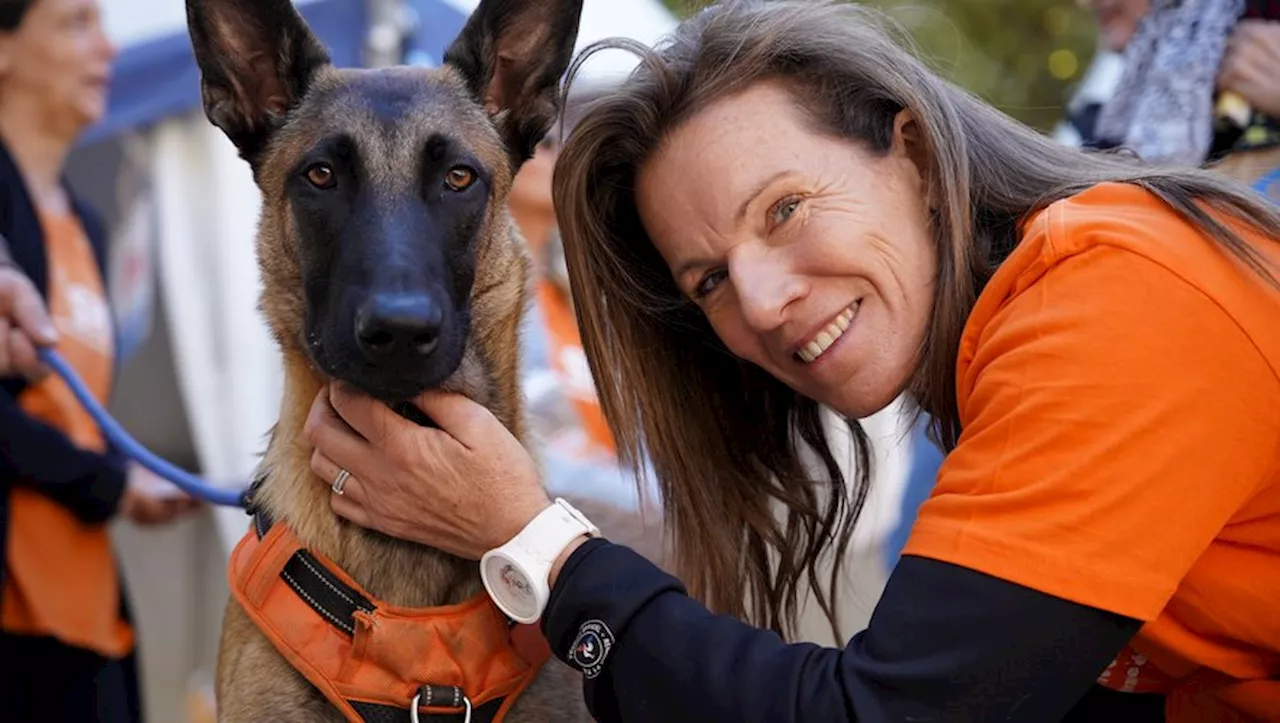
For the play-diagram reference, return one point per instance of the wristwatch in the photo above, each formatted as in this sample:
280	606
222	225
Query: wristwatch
516	574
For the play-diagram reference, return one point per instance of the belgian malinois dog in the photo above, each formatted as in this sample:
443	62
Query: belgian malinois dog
389	261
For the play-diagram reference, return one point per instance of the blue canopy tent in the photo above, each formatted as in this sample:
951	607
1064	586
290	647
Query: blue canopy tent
438	23
159	78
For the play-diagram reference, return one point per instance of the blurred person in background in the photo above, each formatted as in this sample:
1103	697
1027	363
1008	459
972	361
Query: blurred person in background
576	448
65	628
1117	21
1199	85
1247	141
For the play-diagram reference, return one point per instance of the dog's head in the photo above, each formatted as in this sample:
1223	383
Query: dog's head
384	190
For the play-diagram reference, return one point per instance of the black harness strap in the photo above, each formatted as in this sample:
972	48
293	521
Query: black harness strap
333	599
337	602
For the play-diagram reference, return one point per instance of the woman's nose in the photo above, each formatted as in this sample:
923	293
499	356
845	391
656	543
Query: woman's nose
106	47
765	286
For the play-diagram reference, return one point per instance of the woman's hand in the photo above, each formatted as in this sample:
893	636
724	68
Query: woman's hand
150	500
464	488
1250	64
24	325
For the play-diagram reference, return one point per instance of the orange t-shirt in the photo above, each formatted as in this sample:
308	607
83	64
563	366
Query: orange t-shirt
1119	394
567	358
62	579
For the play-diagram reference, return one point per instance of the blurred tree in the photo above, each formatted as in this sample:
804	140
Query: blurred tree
1023	56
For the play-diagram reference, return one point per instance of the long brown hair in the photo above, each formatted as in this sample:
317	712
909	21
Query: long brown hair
725	439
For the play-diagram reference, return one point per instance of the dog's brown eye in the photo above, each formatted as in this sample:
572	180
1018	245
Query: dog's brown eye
460	178
320	175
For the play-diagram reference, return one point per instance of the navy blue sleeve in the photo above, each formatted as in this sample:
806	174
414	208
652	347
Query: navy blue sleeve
37	455
945	643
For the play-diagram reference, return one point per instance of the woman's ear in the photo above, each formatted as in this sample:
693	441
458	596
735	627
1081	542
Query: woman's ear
909	141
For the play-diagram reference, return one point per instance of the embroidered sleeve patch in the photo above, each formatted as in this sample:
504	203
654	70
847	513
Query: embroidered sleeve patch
591	647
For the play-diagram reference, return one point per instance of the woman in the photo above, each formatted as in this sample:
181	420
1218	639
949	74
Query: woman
782	209
65	617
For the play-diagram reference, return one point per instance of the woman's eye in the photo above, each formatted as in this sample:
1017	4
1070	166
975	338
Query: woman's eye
708	283
79	20
783	210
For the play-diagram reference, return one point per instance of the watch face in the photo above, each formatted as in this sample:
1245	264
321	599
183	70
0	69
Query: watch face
511	584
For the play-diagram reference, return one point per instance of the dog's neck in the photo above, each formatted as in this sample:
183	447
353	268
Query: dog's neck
395	571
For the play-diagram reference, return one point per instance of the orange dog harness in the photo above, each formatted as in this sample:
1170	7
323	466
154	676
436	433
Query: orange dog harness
376	662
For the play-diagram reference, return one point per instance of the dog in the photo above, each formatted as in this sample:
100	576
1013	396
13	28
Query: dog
389	261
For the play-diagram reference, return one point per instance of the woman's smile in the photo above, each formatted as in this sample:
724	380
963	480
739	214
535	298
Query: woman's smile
823	345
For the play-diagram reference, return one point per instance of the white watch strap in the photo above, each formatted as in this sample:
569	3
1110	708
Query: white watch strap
546	536
591	529
516	574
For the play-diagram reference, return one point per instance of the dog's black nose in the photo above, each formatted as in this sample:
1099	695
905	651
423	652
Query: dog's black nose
398	324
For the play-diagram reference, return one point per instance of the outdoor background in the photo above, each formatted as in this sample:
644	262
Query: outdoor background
1023	56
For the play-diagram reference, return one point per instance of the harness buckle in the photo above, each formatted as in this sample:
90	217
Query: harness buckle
459	699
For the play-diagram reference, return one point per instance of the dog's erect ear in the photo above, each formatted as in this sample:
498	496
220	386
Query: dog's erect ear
256	58
513	54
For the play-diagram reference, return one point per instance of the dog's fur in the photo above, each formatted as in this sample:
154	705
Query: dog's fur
382	227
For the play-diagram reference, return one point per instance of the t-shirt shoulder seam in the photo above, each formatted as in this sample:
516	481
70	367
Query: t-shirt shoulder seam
1054	257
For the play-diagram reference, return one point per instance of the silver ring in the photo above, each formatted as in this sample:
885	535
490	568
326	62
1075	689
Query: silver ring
340	480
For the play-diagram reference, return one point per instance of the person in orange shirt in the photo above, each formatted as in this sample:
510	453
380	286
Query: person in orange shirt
576	452
65	631
782	209
563	401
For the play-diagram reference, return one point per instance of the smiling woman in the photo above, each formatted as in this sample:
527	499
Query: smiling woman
782	210
826	245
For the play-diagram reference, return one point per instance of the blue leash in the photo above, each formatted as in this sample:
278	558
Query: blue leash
185	481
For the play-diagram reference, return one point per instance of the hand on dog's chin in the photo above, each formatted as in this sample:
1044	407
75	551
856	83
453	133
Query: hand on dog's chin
400	403
410	412
463	489
463	380
407	409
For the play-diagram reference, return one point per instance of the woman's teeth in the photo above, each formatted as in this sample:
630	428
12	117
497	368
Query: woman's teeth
827	336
